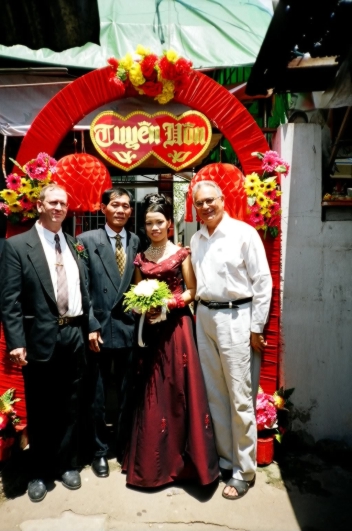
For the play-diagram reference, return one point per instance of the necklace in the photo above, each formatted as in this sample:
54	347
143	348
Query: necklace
155	252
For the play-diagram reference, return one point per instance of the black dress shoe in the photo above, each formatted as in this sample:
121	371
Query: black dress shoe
100	467
71	479
36	490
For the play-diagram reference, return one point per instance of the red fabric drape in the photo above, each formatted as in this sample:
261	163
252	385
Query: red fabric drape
10	374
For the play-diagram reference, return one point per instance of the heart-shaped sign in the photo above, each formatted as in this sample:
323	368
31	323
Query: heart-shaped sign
127	141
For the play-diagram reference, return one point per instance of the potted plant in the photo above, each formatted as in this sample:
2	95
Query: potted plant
271	416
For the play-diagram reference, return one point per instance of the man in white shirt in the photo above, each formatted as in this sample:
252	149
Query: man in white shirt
233	291
45	309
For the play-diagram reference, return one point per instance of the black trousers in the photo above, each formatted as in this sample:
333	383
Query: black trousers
97	380
52	390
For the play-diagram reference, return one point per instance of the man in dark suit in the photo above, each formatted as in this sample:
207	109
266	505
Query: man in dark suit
111	252
45	311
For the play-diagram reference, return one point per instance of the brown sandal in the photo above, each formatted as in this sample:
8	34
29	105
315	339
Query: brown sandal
240	485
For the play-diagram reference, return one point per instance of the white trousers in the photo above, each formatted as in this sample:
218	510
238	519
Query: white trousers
231	372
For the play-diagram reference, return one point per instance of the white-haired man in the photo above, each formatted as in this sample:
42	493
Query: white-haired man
233	291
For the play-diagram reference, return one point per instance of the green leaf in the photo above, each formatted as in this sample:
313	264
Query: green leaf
18	165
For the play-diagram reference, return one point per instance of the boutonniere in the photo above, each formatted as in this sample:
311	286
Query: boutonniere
80	250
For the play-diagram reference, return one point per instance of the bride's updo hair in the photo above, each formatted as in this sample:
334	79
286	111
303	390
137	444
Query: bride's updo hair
157	203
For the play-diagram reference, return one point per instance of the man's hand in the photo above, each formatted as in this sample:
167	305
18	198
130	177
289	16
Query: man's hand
18	356
94	340
257	342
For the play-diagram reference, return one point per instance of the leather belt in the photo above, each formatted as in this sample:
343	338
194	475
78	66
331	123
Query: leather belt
213	305
62	321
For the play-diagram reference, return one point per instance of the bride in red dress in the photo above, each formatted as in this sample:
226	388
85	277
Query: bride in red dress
172	435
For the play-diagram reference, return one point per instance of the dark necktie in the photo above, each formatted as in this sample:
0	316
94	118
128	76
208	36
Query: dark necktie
62	289
120	254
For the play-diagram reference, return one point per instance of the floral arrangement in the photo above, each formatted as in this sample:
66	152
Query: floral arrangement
150	75
80	250
268	410
8	416
22	191
263	191
146	295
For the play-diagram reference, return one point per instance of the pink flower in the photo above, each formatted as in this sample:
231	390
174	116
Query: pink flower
271	194
282	167
4	420
266	414
26	203
13	181
5	208
271	160
256	219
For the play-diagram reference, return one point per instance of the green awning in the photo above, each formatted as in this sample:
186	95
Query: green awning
210	33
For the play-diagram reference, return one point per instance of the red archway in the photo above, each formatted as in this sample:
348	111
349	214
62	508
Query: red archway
93	90
203	94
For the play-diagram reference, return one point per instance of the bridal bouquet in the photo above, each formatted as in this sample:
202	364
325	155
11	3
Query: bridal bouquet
146	295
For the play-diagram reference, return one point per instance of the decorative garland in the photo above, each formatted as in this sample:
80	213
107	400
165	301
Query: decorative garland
263	192
153	76
19	198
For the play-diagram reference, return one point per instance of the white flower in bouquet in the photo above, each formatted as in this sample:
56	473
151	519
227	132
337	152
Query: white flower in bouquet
146	295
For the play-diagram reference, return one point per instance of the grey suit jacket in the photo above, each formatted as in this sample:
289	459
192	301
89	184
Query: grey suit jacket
106	288
27	290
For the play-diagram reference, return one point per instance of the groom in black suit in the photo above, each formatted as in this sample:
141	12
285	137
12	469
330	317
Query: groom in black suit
110	255
45	311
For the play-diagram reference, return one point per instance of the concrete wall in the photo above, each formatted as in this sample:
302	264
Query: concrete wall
317	293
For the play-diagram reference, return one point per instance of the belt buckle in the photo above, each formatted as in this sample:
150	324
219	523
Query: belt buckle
63	321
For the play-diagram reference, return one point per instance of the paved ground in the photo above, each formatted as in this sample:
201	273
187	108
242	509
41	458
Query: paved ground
303	493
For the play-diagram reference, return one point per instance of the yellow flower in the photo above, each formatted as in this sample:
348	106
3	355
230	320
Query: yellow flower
142	51
47	180
251	188
279	401
262	200
261	186
31	214
167	93
135	74
10	196
270	184
252	178
171	56
265	212
126	62
26	186
34	194
15	207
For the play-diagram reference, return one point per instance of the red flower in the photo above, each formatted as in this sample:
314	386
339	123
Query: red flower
148	66
182	66
113	62
168	70
152	89
26	203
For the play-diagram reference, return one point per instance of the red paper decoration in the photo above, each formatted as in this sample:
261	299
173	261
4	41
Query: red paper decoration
84	178
230	180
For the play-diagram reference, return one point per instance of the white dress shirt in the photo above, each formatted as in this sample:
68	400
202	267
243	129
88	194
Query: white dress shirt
111	233
71	268
231	264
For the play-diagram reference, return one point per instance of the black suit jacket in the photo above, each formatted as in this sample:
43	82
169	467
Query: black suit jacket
26	290
106	288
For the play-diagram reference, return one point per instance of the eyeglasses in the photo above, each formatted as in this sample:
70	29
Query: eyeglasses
209	201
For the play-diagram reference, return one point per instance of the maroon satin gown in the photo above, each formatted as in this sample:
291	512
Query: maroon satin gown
172	435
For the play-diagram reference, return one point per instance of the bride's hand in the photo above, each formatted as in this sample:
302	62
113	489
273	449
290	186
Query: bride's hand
152	314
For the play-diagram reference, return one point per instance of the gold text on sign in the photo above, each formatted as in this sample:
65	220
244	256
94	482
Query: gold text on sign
180	134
